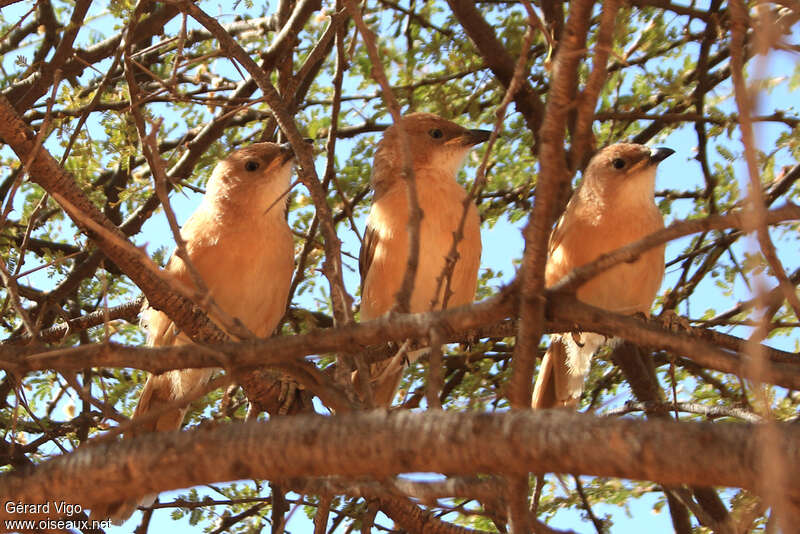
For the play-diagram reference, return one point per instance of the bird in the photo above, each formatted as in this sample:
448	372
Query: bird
438	148
239	242
613	206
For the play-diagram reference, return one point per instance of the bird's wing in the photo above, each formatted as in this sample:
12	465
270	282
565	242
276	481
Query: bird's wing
368	246
160	389
558	233
161	331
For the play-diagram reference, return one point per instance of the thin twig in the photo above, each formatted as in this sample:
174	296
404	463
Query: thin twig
403	297
332	266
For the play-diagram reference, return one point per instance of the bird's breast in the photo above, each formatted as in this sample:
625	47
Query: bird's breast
247	268
442	204
626	287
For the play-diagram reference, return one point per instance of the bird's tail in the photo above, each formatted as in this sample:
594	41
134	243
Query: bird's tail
159	391
558	384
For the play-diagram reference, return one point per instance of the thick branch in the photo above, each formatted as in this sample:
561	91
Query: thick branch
378	444
706	354
564	312
451	322
498	60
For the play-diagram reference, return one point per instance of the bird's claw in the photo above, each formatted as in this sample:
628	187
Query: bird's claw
673	322
289	388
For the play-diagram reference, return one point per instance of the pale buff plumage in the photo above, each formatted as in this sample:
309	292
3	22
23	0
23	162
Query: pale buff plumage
239	242
613	206
438	148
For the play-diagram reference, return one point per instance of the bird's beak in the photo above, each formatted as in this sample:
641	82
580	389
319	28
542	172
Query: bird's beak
660	154
475	137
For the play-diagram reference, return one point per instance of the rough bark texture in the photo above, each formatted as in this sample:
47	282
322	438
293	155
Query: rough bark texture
380	444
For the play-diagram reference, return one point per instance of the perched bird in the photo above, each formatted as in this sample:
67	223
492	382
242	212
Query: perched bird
613	206
438	148
239	242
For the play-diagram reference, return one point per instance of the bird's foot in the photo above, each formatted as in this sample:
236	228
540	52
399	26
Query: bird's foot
673	322
289	388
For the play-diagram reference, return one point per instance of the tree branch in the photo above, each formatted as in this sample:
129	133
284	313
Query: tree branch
378	444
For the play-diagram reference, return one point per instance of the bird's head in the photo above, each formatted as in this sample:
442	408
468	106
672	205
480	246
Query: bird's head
434	143
258	174
625	168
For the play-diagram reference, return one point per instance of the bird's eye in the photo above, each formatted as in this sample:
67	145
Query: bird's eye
436	133
251	165
618	163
